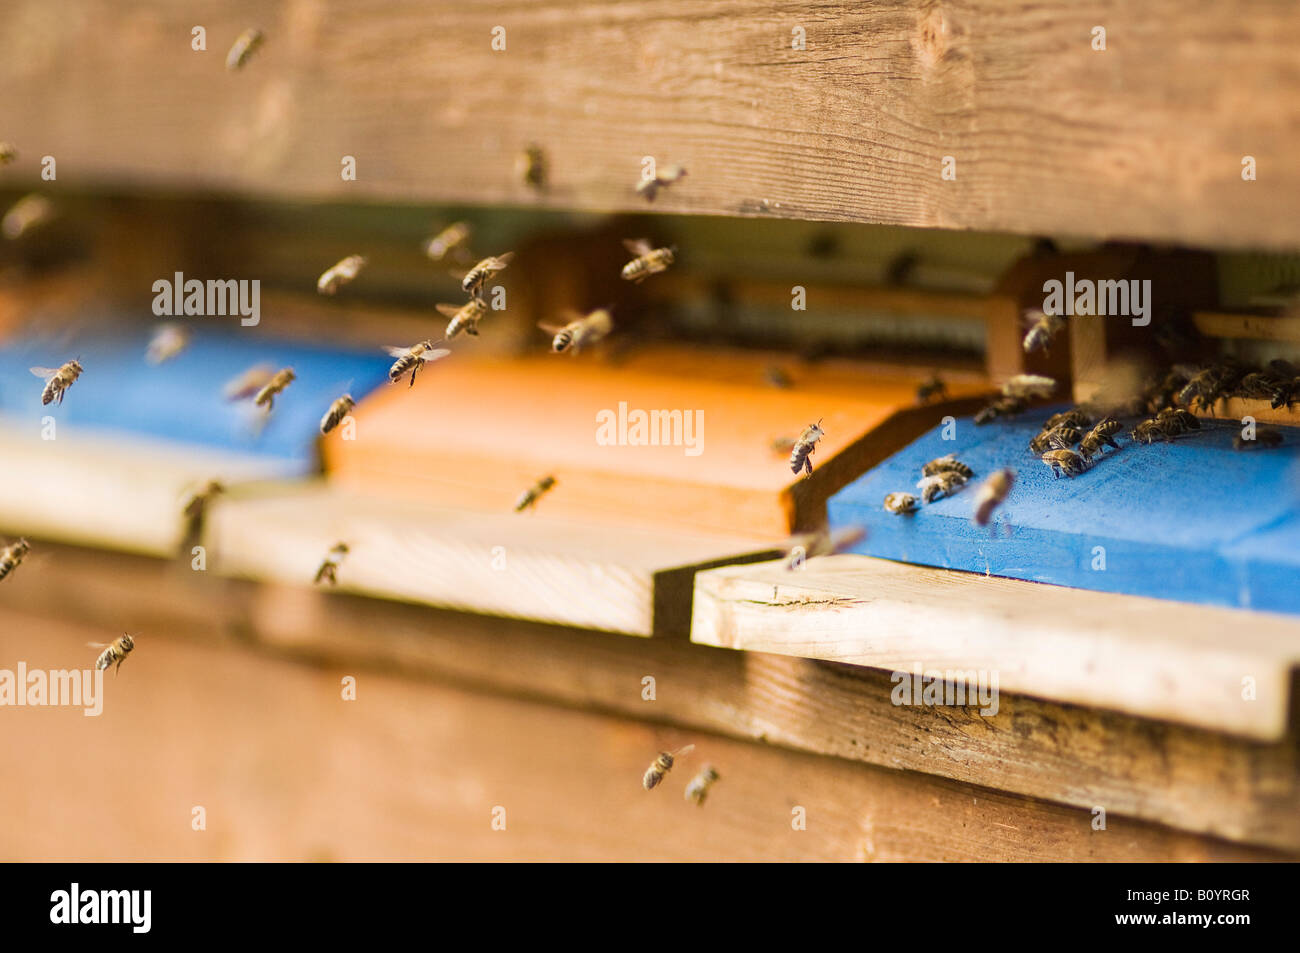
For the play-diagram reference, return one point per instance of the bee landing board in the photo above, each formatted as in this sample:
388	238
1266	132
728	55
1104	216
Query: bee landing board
1191	519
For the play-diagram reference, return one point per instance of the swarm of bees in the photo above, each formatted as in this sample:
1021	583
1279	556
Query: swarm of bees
12	555
534	493
244	47
804	447
340	274
582	331
648	188
57	380
329	567
648	261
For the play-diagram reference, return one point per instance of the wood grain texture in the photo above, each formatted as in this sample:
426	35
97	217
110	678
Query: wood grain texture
525	565
286	770
1189	778
1149	657
1142	140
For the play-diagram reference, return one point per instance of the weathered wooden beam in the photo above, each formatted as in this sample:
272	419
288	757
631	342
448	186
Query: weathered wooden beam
1046	133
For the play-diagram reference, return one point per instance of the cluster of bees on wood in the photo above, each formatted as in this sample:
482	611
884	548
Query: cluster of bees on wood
945	476
697	789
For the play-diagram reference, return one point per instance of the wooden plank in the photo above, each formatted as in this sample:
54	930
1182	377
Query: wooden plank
1189	778
286	770
712	469
637	582
1148	657
1048	134
1257	327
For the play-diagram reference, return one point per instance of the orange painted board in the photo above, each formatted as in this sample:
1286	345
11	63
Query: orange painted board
477	433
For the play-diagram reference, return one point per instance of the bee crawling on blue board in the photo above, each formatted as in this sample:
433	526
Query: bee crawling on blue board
1065	462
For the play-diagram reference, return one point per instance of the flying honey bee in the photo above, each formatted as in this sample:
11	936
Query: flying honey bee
534	493
57	380
168	340
26	214
329	567
934	387
412	359
661	766
338	410
698	788
1064	463
12	555
949	462
805	447
452	238
481	273
248	383
531	167
649	188
1264	437
945	482
582	331
7	153
245	45
340	274
197	503
648	261
463	318
901	503
1026	386
116	651
991	494
276	385
824	542
1042	329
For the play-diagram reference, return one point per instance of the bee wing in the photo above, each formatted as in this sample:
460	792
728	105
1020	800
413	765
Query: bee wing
97	645
638	246
550	328
458	273
44	372
435	355
396	351
448	310
503	259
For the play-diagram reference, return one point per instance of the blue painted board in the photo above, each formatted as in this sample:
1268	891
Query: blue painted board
1192	520
181	400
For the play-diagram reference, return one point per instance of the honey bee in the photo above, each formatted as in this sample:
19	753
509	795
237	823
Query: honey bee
412	359
934	387
248	383
698	789
197	503
649	188
805	447
1027	386
338	410
775	376
7	153
531	167
12	555
901	503
534	493
25	214
1174	421
580	332
1001	407
479	275
781	446
661	766
1064	462
276	385
57	380
168	340
1148	431
1076	417
329	567
648	261
949	462
824	542
1102	435
1207	386
991	494
245	45
464	318
1042	329
340	274
945	482
1264	437
116	651
452	238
